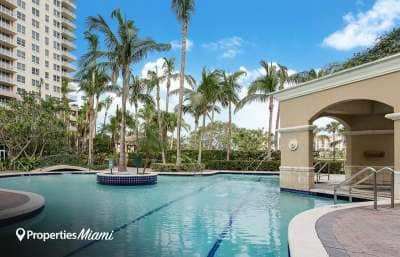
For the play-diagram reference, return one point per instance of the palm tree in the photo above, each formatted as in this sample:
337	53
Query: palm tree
229	97
107	105
168	75
138	94
334	128
88	67
123	49
261	90
183	10
283	77
210	87
154	81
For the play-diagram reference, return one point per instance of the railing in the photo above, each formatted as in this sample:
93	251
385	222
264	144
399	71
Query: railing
6	39
6	11
320	169
364	175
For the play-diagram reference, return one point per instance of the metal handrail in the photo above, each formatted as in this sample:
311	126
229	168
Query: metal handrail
374	186
318	173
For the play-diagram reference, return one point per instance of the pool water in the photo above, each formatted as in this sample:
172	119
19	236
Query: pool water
223	215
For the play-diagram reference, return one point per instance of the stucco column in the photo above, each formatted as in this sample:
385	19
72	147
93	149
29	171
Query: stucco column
296	171
396	129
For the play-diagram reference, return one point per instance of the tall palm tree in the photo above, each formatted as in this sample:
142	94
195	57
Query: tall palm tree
261	90
210	87
88	68
123	49
168	75
183	10
334	128
154	82
107	105
229	97
283	77
138	94
101	85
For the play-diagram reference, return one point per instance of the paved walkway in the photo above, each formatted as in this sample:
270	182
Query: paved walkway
361	232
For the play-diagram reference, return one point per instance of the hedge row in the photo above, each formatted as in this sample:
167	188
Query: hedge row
173	167
190	156
243	165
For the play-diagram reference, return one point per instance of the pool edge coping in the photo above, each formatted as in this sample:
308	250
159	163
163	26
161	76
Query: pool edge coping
303	239
33	206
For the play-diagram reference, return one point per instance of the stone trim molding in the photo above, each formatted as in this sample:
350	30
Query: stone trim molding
369	132
393	116
297	129
296	169
366	71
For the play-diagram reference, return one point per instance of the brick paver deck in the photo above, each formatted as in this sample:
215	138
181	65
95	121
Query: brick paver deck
361	232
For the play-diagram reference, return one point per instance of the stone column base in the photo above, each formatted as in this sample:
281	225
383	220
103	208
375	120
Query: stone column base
298	178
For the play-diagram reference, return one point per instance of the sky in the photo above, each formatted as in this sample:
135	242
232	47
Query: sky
233	35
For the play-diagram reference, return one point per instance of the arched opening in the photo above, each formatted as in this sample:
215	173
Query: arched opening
367	135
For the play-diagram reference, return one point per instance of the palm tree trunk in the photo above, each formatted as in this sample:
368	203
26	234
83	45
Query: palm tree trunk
167	96
181	91
91	114
271	109
228	150
122	153
137	121
105	118
277	126
159	121
201	139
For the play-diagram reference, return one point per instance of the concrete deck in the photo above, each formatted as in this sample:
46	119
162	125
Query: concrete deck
361	232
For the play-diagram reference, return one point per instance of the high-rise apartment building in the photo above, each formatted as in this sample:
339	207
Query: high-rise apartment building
36	38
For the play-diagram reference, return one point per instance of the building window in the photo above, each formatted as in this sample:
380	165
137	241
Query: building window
35	12
35	23
35	71
21	54
21	28
21	4
35	59
20	66
21	16
21	79
21	42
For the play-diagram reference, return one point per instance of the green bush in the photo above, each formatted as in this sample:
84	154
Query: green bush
244	165
173	167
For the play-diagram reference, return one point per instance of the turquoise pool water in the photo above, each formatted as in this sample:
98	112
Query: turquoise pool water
223	215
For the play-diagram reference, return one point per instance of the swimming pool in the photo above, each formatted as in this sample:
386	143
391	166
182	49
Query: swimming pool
222	215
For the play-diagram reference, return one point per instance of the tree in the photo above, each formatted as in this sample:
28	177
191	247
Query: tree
107	105
283	77
168	75
138	94
183	10
123	49
334	128
154	82
229	97
261	90
210	87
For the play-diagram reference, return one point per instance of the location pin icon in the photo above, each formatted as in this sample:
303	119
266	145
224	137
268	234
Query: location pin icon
20	233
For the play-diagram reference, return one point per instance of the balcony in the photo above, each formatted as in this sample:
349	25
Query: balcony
7	54
68	44
7	41
66	76
7	13
68	4
68	34
8	67
68	24
67	13
67	57
12	4
7	28
6	91
8	80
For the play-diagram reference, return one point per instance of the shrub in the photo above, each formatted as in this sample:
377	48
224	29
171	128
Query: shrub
174	167
245	165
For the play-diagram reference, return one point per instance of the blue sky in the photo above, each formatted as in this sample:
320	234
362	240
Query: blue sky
230	34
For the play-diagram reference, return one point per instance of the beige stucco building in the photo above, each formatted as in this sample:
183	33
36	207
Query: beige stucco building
365	99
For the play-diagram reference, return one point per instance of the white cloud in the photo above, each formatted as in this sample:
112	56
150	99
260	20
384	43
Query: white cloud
176	44
230	47
364	28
